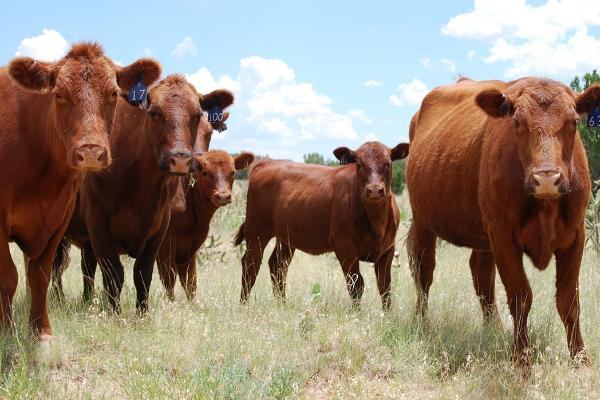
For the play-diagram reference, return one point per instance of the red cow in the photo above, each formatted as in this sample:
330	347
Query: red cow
499	167
54	124
126	210
349	210
189	227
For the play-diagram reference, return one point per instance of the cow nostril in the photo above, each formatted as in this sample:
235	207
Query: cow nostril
79	157
381	192
103	156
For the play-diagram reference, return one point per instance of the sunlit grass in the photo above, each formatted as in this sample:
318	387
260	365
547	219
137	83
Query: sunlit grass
313	346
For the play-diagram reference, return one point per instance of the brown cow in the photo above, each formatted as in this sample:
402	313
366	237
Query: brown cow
349	210
126	210
54	124
189	227
499	167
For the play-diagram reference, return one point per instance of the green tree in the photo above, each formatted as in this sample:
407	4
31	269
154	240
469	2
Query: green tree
589	136
398	176
316	158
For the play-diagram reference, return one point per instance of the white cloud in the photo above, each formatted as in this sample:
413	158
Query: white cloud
359	115
443	64
184	49
409	93
275	103
552	38
369	137
372	83
148	51
471	55
204	81
49	46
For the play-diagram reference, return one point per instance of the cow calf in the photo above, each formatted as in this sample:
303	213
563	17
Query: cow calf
349	210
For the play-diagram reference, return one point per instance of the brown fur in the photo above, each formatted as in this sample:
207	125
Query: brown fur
474	149
51	114
320	209
126	210
189	227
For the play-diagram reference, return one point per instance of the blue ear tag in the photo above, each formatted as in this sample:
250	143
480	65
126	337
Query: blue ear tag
593	119
216	117
138	93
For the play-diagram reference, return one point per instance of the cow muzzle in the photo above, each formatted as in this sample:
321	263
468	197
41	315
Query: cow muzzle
548	183
222	198
91	157
177	163
374	192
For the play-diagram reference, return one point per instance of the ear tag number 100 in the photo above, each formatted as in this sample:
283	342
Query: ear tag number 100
138	93
593	119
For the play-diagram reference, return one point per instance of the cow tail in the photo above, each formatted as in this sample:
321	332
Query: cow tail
61	258
239	237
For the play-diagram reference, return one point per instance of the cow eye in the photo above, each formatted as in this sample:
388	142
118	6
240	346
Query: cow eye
517	123
154	114
204	173
387	164
114	94
59	97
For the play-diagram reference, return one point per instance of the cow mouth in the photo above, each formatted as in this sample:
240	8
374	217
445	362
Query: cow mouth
547	196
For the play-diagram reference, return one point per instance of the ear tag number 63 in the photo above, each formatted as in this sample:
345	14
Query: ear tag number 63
593	119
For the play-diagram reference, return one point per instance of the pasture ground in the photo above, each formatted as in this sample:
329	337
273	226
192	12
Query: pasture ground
313	346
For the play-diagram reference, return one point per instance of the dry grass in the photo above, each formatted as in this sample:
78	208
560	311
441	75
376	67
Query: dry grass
313	346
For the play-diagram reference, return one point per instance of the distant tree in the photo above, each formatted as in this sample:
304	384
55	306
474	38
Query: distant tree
398	176
589	136
316	158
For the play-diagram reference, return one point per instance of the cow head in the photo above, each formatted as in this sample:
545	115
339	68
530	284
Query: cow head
84	87
373	162
544	115
216	172
222	99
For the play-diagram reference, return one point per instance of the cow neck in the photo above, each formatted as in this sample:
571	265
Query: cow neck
378	216
201	205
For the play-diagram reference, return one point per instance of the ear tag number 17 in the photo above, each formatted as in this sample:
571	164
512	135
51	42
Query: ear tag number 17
593	119
138	93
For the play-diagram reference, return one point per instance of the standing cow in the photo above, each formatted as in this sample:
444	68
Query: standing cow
499	167
189	226
54	125
349	210
126	210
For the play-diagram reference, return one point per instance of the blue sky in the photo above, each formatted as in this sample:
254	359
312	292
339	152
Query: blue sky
312	75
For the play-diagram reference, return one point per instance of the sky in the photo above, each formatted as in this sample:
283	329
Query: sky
309	76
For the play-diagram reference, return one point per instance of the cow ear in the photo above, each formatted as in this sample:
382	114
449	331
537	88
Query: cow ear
217	98
243	160
225	116
495	103
588	100
146	69
399	152
345	155
199	162
31	74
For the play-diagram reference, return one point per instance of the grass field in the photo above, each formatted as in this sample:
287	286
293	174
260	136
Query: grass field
313	346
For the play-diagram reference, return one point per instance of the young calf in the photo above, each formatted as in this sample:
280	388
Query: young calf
349	210
189	227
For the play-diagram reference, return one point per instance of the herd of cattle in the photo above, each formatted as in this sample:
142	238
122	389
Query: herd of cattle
495	166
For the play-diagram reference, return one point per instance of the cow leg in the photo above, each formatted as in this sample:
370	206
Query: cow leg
278	264
483	271
383	273
350	266
568	262
509	260
187	277
144	266
251	264
8	284
89	264
165	261
421	256
59	265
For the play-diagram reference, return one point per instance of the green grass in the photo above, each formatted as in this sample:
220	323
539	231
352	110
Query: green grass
313	346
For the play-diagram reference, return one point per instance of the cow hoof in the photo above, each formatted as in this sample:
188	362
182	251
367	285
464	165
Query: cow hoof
45	338
580	359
